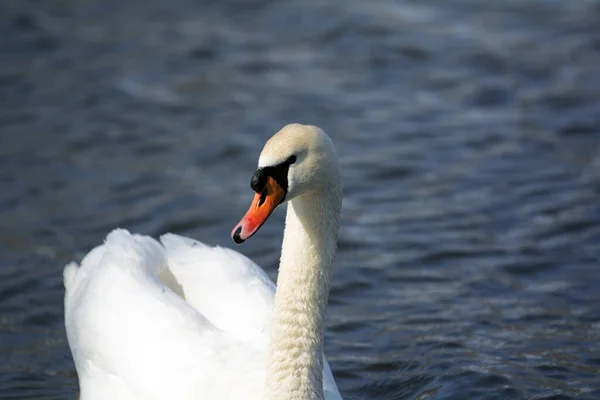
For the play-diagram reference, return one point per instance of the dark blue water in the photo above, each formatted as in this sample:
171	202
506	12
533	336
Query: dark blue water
469	140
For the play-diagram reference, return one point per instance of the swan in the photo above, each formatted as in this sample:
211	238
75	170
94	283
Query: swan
183	320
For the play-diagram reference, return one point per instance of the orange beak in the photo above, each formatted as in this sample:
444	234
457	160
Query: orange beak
262	206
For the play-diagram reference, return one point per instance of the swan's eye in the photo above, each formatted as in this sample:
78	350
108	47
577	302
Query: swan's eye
291	160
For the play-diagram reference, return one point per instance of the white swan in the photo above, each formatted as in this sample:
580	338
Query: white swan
183	320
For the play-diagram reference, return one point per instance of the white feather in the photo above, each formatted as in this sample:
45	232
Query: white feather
183	320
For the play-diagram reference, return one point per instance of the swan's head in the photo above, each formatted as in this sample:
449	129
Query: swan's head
297	160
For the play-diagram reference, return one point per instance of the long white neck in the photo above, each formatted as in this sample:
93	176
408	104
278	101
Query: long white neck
295	370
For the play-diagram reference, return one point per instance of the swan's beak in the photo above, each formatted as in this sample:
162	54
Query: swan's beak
262	206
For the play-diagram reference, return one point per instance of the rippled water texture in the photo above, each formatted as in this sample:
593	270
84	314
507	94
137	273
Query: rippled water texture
468	135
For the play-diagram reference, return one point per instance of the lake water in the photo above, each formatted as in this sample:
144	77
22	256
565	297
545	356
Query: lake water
469	140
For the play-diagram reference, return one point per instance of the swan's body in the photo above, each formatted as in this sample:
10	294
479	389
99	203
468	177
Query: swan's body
183	320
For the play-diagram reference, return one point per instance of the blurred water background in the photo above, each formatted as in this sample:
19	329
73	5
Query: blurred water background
469	140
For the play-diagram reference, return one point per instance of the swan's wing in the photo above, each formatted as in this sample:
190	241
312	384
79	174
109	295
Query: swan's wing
129	334
330	389
133	337
231	291
228	288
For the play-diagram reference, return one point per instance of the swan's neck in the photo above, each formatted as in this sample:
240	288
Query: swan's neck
295	370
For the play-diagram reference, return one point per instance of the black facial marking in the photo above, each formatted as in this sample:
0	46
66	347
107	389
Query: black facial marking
278	172
259	179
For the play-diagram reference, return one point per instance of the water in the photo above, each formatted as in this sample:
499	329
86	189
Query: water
469	140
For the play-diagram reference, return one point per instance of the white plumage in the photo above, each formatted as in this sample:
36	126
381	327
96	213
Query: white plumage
183	320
